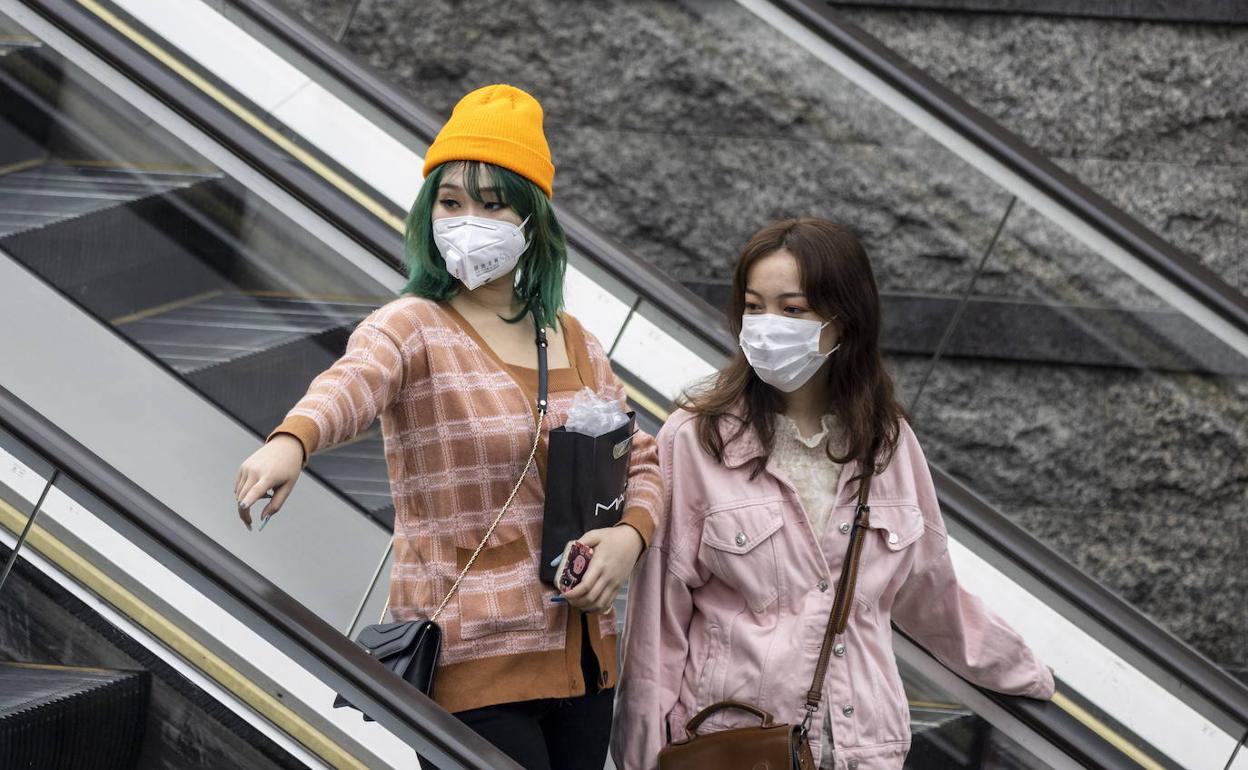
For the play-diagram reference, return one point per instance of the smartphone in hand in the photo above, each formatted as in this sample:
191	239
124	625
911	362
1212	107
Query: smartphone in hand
573	565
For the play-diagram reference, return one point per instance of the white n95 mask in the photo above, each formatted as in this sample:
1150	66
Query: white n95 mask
479	250
783	351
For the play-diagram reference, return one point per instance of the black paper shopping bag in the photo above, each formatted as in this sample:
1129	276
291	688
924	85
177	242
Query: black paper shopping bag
586	481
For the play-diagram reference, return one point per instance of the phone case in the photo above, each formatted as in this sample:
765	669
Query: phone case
573	565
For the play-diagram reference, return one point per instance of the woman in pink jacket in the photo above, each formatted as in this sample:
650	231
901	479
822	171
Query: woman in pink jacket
731	599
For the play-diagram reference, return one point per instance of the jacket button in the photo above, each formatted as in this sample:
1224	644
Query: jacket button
848	711
823	585
852	764
892	538
845	528
741	538
838	649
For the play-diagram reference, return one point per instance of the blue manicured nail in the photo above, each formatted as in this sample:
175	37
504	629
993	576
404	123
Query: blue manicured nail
555	561
264	520
558	599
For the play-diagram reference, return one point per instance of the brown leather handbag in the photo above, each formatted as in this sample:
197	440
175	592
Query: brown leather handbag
771	746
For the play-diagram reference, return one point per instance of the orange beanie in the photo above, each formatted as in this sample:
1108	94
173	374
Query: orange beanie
496	124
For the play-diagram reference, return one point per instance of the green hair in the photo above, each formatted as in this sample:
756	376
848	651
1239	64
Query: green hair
539	274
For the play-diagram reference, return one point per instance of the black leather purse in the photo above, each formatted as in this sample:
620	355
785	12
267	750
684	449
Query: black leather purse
410	649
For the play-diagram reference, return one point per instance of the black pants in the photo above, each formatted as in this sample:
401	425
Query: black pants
554	733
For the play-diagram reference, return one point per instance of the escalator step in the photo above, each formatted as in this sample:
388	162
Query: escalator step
47	194
53	716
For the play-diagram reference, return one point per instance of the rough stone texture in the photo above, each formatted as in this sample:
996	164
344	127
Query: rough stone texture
1138	480
926	227
1210	220
1230	11
678	128
1154	115
326	15
1174	93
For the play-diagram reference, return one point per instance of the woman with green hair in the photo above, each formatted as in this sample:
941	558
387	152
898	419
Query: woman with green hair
449	369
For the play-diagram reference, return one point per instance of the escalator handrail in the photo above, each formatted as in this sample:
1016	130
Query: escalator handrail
399	707
1194	278
1064	732
1085	593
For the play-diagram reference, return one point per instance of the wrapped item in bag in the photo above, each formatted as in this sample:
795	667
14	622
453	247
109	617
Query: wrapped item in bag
593	415
586	474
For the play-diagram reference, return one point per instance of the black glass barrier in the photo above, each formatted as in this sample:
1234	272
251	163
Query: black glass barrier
207	277
34	447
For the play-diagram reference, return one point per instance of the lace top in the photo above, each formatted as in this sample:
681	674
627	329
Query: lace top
805	461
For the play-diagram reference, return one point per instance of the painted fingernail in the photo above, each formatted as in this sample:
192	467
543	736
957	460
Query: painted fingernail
264	522
555	561
558	599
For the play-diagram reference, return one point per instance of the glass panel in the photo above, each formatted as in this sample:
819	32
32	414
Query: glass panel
178	257
24	476
946	734
93	591
1111	427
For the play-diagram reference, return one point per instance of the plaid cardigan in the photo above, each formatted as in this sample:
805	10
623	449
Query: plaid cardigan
458	427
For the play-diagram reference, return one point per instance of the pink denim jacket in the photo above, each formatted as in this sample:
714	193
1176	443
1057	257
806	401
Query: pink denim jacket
731	599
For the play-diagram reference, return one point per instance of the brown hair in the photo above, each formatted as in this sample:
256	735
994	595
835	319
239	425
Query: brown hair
837	281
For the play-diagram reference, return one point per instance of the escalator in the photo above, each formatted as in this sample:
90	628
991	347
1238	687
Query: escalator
204	246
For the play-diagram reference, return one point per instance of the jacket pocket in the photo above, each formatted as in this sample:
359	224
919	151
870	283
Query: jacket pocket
501	592
887	552
897	524
741	547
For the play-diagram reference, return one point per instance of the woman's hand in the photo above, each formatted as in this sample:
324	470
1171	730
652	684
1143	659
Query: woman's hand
615	552
275	466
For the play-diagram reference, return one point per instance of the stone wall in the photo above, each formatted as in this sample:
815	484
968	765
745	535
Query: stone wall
1153	116
680	127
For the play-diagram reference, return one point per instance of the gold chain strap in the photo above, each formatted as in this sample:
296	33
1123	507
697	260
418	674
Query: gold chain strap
537	438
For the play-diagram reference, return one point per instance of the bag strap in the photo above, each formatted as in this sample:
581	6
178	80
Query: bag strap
844	600
543	376
581	359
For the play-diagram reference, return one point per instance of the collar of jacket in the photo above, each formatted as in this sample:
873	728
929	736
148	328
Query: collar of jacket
747	447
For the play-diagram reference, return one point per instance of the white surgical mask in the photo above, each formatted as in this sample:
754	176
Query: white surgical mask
479	250
783	351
